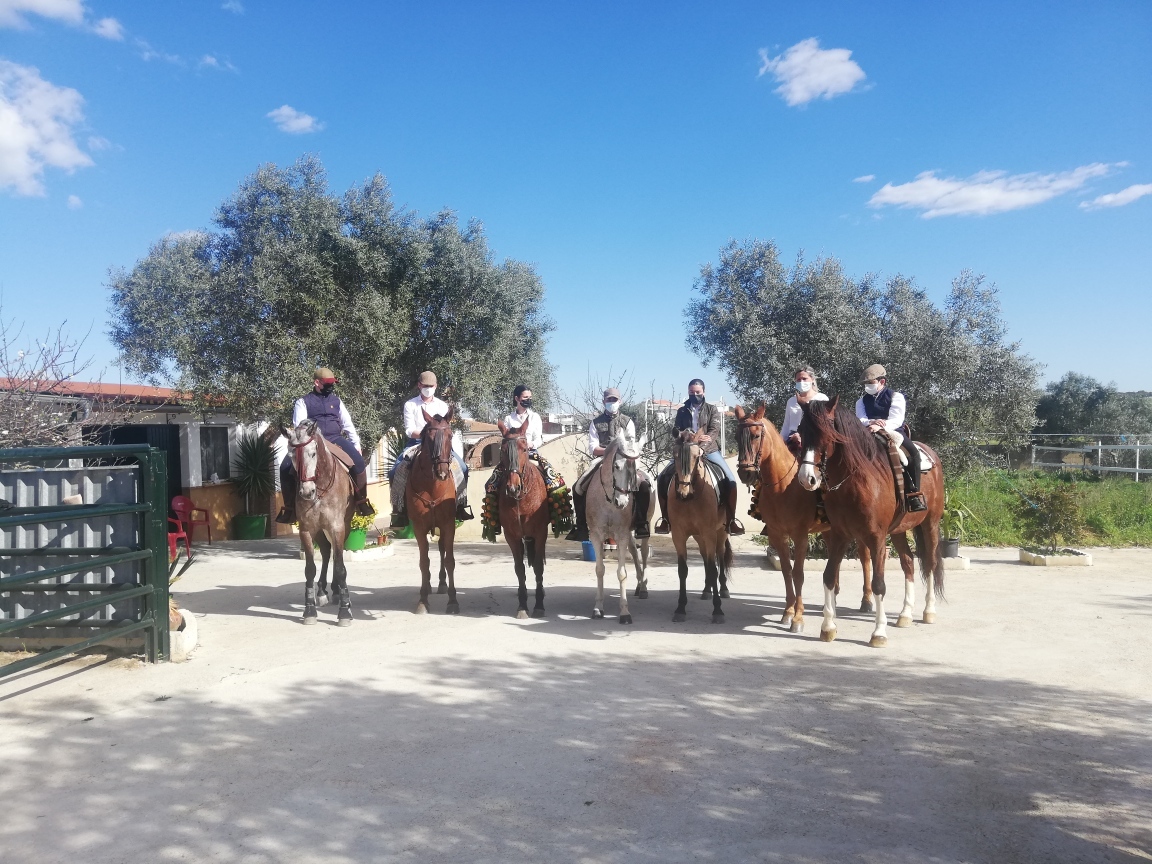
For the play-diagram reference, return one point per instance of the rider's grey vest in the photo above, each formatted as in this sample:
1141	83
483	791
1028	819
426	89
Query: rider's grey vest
607	425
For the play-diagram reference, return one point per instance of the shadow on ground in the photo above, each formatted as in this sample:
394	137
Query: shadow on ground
595	759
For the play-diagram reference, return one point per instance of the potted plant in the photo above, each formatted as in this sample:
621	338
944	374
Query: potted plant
358	532
952	528
253	475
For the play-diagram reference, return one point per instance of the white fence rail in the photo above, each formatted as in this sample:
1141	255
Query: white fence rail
1093	458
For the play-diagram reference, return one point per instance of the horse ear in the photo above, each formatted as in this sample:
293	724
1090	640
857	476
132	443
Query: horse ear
760	409
832	405
739	412
503	429
284	431
448	416
427	416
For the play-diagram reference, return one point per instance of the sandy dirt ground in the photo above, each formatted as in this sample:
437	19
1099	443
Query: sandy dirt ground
1016	729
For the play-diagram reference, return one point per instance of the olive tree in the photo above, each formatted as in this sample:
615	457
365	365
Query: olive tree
760	320
291	276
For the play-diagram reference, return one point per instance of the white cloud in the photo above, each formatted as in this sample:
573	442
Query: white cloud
210	62
109	28
806	72
12	12
96	143
288	119
1118	199
233	6
74	202
147	53
985	192
37	122
864	178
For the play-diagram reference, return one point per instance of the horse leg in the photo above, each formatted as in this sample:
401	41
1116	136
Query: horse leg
442	585
340	584
641	563
718	592
425	570
448	564
680	541
535	547
908	565
596	533
779	542
517	545
798	582
879	550
931	564
622	573
866	602
837	546
323	598
309	578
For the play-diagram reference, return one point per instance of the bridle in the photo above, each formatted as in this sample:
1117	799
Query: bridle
743	439
511	451
433	442
299	460
610	465
685	468
821	466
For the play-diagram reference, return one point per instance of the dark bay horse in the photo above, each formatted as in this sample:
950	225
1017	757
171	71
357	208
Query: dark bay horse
787	509
860	497
430	496
324	508
696	511
523	514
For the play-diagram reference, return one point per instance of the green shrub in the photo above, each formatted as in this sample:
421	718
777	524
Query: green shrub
1050	516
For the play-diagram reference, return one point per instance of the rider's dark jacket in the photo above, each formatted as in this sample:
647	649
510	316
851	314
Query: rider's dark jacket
708	421
324	411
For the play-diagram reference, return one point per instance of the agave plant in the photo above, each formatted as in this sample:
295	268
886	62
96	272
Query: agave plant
253	472
395	442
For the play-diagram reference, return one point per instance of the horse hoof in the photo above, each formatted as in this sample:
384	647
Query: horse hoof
797	626
453	608
310	619
521	613
597	614
706	593
929	617
786	618
867	606
421	609
678	617
625	619
724	595
877	641
717	617
827	635
904	621
442	588
538	612
344	622
323	598
641	593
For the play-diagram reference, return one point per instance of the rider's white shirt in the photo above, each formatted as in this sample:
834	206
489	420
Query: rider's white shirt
895	413
594	438
793	413
535	433
414	421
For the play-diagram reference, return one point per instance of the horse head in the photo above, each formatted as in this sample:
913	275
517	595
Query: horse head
687	454
436	441
514	457
618	469
304	441
818	435
752	439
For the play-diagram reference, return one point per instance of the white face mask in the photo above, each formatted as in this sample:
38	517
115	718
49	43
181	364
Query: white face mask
427	392
611	407
803	386
873	389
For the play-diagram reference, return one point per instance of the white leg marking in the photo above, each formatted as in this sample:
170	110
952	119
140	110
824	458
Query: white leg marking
598	545
930	596
829	623
909	607
622	571
881	630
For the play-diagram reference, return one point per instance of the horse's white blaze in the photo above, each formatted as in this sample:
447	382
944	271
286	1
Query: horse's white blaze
829	622
881	620
809	476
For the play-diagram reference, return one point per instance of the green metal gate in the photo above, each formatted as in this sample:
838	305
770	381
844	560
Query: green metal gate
149	556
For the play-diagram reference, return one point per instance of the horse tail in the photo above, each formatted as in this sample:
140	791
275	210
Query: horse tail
530	550
725	560
931	559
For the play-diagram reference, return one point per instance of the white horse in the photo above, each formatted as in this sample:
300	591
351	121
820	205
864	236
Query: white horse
610	493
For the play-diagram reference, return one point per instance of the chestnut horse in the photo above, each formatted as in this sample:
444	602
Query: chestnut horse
696	511
786	508
860	496
324	508
430	496
523	513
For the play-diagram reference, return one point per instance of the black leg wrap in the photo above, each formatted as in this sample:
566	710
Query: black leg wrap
640	501
580	532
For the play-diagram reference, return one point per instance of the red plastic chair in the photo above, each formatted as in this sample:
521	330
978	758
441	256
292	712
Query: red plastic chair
186	513
173	536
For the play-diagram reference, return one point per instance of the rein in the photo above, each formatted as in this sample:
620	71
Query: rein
320	493
436	446
611	467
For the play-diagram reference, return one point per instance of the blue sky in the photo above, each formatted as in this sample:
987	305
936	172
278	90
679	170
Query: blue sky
616	146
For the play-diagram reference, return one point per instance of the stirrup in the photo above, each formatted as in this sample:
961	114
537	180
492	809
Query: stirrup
735	529
642	531
578	534
463	513
662	526
914	502
364	507
286	516
399	519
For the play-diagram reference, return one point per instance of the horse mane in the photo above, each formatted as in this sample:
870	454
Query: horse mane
860	447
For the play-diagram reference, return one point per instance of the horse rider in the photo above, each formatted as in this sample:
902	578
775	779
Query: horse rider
882	409
807	390
696	415
414	423
333	421
603	428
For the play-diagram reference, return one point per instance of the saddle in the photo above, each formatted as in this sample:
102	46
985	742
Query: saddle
341	457
400	478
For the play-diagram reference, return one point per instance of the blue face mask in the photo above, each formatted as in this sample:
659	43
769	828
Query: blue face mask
803	386
611	407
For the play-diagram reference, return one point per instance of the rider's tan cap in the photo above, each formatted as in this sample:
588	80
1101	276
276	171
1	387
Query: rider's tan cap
427	379
324	375
611	391
873	372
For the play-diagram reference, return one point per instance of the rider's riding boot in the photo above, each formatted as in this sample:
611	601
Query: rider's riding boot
399	519
913	498
734	526
580	532
360	495
640	501
287	514
662	484
821	514
463	511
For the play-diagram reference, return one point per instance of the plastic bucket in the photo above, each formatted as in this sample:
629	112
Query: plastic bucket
587	550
